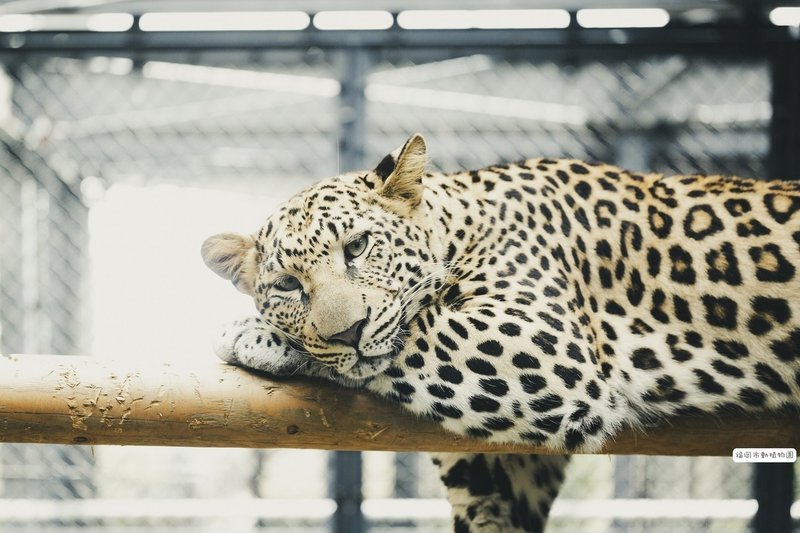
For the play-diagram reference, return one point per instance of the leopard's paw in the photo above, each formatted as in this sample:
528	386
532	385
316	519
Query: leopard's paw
252	343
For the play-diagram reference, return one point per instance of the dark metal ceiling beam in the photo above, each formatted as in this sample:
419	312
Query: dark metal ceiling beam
727	39
142	6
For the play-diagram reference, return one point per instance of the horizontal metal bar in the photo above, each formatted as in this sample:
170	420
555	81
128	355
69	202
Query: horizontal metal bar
20	510
742	39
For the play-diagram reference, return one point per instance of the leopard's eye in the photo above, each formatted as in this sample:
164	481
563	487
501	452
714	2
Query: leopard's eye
355	247
287	284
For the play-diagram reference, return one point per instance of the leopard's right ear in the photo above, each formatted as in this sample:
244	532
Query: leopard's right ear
232	256
401	172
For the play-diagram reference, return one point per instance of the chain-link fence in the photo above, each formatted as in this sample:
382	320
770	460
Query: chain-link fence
100	149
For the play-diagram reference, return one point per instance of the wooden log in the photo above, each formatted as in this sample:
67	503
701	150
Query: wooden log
90	400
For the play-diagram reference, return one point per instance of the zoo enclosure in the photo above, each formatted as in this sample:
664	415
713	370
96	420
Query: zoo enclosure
257	111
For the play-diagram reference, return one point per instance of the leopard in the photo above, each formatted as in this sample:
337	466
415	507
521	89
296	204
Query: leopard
549	302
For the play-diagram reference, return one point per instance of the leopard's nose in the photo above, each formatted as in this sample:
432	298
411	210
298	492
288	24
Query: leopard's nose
350	336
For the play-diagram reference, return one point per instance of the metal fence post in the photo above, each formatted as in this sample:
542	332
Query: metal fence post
773	484
784	158
346	467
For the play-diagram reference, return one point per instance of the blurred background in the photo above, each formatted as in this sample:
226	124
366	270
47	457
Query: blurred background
131	130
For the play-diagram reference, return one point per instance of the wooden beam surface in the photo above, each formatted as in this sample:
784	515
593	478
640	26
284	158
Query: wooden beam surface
91	400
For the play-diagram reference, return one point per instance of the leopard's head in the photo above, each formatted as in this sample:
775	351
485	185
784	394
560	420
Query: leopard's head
339	266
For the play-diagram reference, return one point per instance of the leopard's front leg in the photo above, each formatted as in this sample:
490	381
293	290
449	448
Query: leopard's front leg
489	372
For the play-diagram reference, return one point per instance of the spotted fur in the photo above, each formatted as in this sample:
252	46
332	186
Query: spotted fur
546	302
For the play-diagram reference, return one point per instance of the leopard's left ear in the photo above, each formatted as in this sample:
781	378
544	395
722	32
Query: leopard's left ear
402	170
